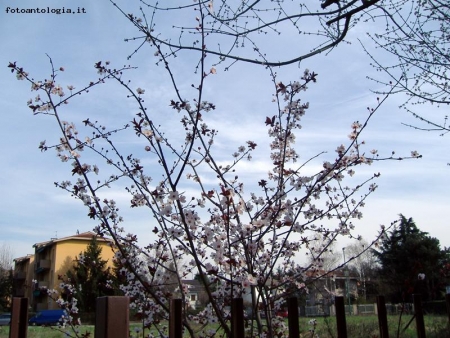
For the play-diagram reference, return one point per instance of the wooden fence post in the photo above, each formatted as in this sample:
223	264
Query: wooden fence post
237	318
293	317
340	317
19	318
382	317
420	325
176	318
112	317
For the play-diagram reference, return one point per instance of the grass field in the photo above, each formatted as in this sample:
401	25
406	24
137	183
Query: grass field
357	327
367	327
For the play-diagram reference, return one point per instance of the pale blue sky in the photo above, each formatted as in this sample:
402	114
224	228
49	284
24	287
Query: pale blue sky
33	210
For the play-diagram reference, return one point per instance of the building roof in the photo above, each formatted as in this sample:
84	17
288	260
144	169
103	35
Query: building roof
22	259
194	285
88	235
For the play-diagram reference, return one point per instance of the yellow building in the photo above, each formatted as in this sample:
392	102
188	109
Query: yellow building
54	258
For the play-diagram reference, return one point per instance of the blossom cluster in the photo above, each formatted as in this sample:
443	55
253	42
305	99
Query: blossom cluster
65	298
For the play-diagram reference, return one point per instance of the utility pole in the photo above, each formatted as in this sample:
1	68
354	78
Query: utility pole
363	267
347	284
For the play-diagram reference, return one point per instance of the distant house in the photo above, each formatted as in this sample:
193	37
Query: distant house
22	276
52	258
345	284
196	295
323	287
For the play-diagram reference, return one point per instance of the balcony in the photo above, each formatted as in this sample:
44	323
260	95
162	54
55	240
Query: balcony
19	275
19	292
42	265
40	289
42	284
41	306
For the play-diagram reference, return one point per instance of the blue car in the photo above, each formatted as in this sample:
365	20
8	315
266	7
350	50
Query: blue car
5	319
47	317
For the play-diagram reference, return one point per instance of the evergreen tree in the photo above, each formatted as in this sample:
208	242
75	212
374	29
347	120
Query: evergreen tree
411	262
6	285
90	277
6	279
117	278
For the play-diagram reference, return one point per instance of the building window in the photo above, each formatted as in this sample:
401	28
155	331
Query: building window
193	298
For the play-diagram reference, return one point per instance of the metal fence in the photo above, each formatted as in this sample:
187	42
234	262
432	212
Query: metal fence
112	317
366	309
316	311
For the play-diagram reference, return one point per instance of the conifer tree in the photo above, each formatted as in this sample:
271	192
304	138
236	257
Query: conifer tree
90	275
411	262
6	283
6	279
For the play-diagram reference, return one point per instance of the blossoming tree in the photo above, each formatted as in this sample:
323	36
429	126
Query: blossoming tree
417	39
205	222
